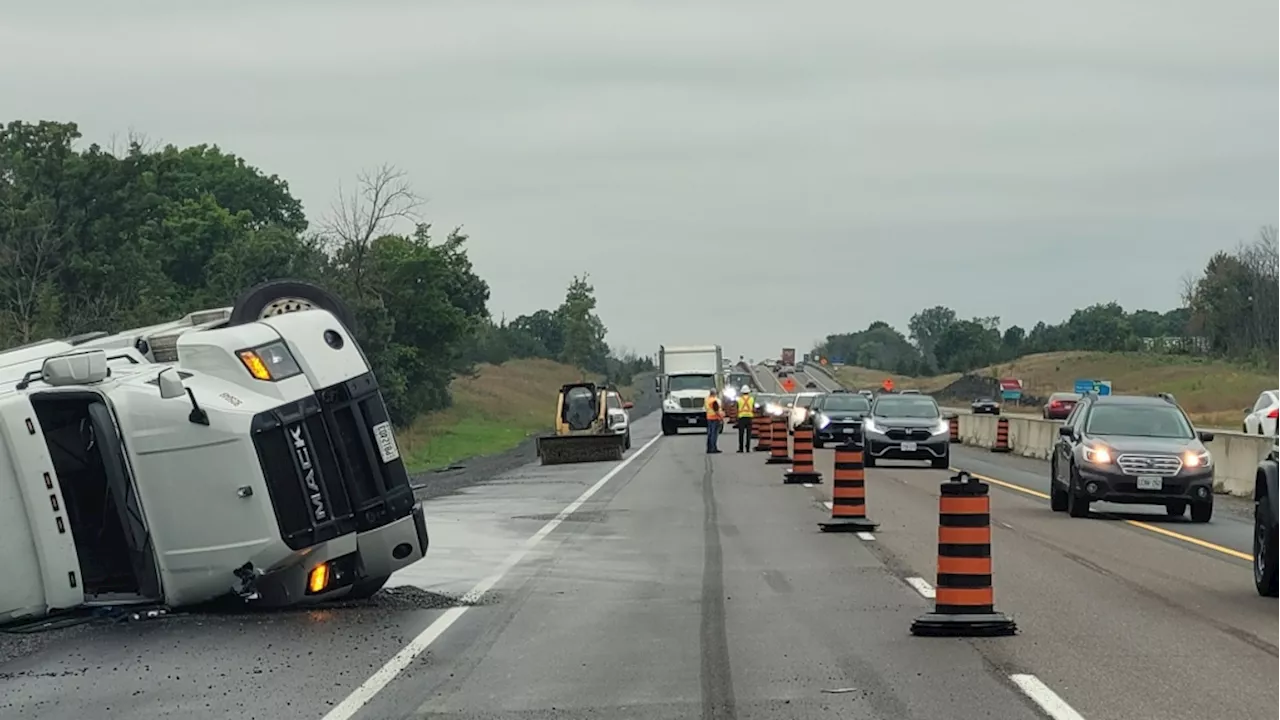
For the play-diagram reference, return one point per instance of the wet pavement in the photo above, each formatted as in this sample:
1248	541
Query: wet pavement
677	585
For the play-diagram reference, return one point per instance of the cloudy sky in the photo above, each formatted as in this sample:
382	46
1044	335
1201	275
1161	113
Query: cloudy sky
752	173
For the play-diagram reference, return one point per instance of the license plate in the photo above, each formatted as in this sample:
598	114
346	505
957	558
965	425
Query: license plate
908	447
692	420
386	442
847	431
1150	482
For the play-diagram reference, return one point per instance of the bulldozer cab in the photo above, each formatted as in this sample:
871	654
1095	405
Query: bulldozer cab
582	431
581	408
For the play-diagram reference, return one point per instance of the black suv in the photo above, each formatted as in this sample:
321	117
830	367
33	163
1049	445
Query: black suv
1133	450
837	417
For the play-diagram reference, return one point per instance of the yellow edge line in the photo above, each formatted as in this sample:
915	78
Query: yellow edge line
1136	523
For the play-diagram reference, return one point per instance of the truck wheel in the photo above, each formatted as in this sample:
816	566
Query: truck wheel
276	297
667	427
365	589
1265	576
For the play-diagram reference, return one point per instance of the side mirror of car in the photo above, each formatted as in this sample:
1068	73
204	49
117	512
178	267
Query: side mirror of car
1205	436
628	405
1066	431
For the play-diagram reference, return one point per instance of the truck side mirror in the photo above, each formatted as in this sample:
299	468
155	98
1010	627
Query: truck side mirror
170	384
657	385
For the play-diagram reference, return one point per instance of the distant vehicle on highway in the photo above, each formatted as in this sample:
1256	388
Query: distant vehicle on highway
1060	405
785	370
619	413
799	415
906	427
1265	521
909	392
811	384
838	416
1133	450
984	406
1262	418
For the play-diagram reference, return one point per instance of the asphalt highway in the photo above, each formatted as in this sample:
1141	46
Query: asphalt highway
680	585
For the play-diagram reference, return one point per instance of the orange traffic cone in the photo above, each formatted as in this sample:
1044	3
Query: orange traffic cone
802	470
778	441
848	492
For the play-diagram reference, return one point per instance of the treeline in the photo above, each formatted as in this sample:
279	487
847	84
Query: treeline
111	239
939	341
1234	303
572	333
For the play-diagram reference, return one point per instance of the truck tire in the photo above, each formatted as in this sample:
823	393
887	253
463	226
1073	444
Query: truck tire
667	427
275	297
364	589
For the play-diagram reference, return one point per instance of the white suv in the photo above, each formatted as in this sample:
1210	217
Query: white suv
619	417
800	410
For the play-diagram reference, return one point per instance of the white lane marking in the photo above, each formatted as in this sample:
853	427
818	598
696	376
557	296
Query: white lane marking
826	504
1048	700
808	484
866	536
418	645
922	586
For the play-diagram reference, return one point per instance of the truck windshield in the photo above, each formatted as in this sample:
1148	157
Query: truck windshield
692	382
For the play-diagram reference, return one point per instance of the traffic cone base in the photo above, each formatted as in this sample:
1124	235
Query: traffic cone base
992	624
851	525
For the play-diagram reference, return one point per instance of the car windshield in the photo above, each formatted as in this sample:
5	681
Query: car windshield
692	382
805	400
852	403
906	407
1162	421
984	400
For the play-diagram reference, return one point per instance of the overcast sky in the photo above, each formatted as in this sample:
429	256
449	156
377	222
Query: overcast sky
752	173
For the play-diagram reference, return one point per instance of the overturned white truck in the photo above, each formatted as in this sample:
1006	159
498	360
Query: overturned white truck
238	451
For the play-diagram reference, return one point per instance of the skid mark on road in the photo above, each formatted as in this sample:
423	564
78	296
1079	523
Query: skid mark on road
717	681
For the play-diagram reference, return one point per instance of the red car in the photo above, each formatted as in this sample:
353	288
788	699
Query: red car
1060	405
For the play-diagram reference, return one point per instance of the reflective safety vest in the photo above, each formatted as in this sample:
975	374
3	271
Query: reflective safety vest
746	406
712	406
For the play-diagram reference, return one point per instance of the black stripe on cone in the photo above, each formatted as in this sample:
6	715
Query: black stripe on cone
802	469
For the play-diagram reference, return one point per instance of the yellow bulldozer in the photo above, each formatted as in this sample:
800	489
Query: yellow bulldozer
582	428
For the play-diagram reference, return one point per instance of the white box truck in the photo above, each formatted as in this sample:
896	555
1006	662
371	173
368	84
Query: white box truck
238	451
685	376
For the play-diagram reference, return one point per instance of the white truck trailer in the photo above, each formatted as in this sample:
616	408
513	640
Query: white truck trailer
685	376
241	451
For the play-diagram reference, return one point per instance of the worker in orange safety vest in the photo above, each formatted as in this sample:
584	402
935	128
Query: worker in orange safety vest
715	414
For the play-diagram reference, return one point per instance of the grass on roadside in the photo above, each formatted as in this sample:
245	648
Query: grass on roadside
492	412
1213	392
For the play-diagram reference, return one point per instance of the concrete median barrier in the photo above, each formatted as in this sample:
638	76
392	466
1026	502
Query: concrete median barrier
1236	455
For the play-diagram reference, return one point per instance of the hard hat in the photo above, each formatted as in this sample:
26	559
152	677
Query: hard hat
745	389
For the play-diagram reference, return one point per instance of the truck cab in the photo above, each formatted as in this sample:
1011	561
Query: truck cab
259	463
686	376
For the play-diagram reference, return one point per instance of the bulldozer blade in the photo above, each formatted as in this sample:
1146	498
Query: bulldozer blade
556	450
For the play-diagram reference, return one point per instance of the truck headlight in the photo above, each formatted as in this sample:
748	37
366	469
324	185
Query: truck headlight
270	362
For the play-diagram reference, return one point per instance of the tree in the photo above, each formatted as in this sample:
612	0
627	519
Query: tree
927	327
357	217
584	333
1234	303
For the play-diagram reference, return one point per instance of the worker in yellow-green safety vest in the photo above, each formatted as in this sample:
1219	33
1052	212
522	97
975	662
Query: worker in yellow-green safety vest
746	410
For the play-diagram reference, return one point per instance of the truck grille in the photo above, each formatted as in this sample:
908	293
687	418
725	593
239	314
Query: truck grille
323	469
380	491
1131	464
690	403
301	471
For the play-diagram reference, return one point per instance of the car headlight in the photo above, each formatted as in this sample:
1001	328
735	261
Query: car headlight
270	362
730	394
942	427
1097	454
869	425
1193	459
671	403
822	420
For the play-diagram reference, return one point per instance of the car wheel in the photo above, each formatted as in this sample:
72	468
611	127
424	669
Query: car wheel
1057	496
817	444
1077	503
868	460
627	443
941	463
1176	508
1201	512
1265	576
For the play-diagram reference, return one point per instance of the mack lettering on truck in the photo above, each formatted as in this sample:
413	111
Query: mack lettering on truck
303	453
